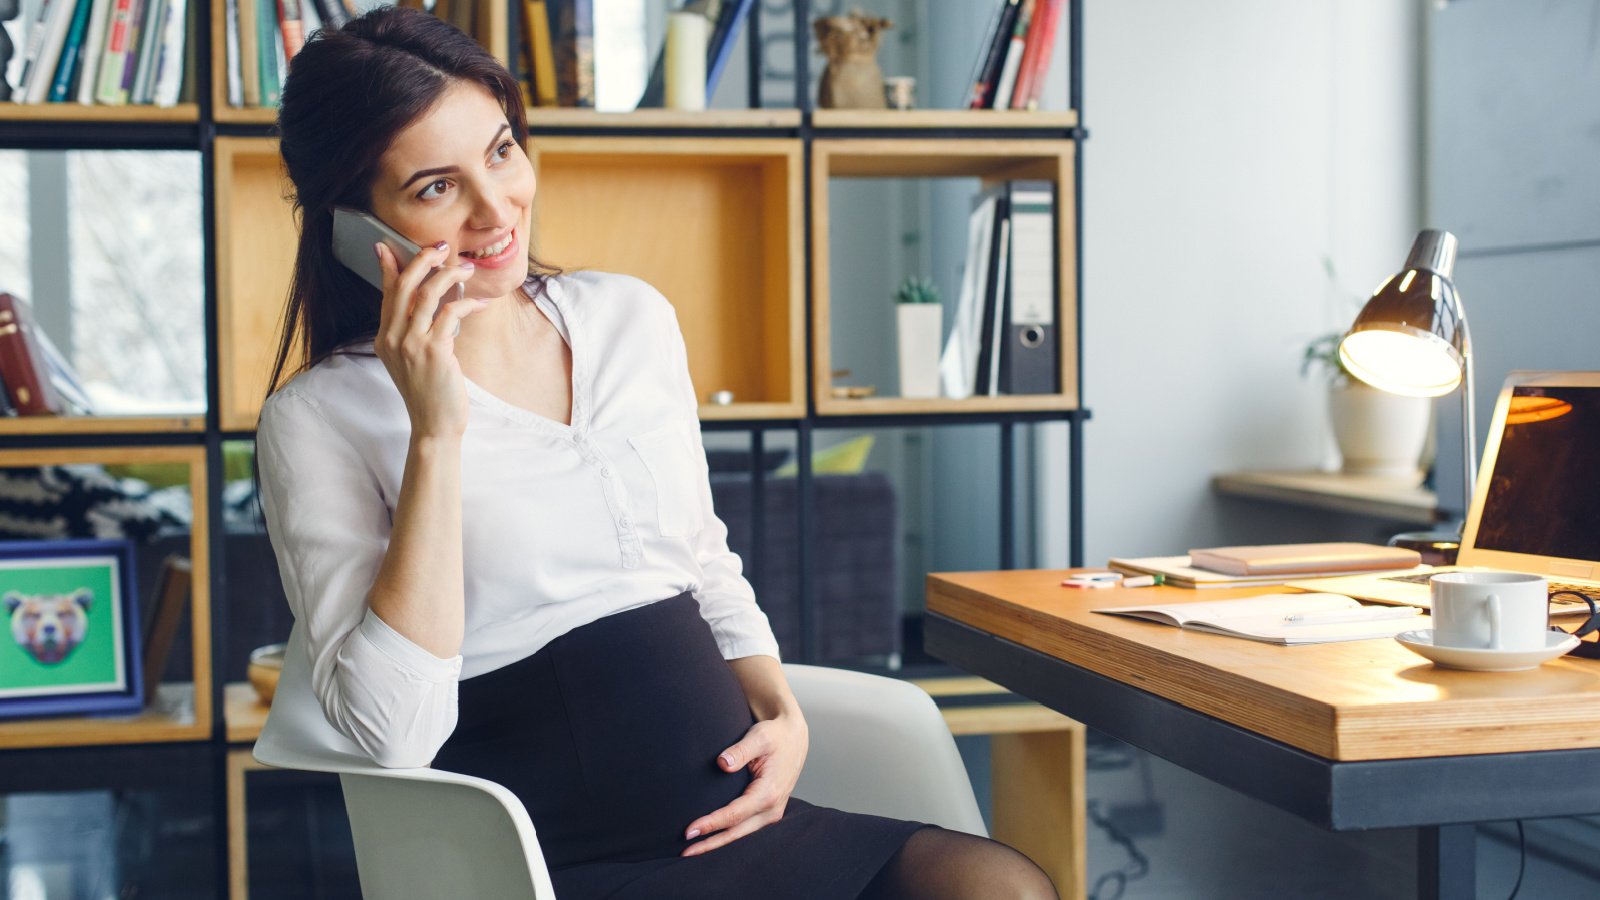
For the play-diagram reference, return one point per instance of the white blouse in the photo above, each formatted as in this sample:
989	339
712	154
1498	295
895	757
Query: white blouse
562	524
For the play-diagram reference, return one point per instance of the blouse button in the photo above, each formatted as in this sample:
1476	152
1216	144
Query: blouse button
605	473
624	522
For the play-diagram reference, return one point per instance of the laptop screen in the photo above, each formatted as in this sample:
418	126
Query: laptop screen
1544	496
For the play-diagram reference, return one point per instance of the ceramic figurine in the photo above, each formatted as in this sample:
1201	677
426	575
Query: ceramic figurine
852	79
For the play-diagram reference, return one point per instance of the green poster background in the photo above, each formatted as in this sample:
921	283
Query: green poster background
90	665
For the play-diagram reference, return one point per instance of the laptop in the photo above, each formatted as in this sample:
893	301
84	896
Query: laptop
1536	509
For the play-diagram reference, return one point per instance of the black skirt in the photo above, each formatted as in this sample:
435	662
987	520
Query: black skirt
610	734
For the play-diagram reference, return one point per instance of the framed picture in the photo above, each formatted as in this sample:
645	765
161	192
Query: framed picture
73	645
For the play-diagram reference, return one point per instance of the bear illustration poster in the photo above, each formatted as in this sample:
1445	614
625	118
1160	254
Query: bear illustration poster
70	643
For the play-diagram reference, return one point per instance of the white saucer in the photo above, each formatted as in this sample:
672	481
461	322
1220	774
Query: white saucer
1420	642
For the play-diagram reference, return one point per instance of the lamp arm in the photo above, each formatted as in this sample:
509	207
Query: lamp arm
1469	405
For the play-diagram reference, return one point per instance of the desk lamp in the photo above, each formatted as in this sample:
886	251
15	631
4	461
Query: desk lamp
1411	337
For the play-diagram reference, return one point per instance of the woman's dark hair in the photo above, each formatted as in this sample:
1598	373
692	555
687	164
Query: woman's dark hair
349	94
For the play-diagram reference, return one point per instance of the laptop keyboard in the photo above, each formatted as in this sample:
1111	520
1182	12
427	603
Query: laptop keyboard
1555	586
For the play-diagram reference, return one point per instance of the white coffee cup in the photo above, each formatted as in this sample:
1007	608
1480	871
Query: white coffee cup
1490	610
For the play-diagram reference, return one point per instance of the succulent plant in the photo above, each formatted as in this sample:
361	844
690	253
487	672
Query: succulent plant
917	290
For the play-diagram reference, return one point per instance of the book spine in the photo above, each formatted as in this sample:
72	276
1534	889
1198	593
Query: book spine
130	61
71	52
55	36
249	50
564	43
170	59
1028	359
27	382
723	39
70	397
983	88
117	35
1013	63
93	48
292	26
149	39
34	45
1040	64
536	16
993	296
583	50
268	38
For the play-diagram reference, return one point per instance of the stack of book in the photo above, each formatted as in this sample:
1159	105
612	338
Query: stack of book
1003	339
1012	63
557	49
111	52
264	35
35	378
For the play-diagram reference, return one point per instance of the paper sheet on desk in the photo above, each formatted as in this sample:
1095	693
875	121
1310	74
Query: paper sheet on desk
1262	618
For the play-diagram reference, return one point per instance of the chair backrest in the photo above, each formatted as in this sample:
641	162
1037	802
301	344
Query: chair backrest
418	833
880	746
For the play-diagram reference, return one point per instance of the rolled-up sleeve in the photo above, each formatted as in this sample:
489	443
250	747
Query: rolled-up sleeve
330	529
727	600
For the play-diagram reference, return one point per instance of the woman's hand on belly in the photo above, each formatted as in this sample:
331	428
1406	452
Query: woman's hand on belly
774	750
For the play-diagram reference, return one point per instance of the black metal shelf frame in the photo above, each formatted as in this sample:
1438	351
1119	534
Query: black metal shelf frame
174	760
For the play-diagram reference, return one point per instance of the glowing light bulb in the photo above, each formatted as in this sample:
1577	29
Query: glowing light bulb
1401	363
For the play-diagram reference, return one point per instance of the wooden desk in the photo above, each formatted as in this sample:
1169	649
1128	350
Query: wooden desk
1349	736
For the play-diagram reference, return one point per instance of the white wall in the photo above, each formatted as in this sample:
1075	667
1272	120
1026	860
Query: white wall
1234	145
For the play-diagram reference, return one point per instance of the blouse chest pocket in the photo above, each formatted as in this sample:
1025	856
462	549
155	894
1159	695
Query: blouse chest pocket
669	456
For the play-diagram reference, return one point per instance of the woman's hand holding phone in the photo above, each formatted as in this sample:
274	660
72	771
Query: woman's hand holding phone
416	337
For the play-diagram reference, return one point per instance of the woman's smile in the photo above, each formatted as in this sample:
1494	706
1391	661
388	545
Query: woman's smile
496	254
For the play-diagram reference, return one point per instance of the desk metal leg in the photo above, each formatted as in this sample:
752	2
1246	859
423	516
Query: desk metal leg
1447	862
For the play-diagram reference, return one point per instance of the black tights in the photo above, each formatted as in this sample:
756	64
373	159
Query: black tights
935	864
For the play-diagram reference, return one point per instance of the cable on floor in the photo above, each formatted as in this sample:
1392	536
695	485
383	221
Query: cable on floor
1112	885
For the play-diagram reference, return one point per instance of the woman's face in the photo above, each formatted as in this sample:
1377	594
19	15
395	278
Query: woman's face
458	175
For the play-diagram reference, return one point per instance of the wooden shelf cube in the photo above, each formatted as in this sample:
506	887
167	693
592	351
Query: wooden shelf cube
256	242
181	712
716	225
990	161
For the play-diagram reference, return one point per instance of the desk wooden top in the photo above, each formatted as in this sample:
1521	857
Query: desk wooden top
1357	700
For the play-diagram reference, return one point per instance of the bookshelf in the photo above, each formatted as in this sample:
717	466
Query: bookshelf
726	211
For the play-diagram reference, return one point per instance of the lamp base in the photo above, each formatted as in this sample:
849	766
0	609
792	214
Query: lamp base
1438	548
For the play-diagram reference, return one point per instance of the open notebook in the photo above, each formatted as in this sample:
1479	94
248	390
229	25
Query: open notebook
1265	618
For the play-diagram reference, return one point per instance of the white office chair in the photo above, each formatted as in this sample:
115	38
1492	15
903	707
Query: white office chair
877	746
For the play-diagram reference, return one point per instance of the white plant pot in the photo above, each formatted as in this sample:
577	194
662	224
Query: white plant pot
1379	433
919	325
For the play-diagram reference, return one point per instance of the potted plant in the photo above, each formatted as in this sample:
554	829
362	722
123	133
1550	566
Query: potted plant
919	318
1378	433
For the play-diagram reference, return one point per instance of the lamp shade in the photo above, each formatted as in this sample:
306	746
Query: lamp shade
1411	338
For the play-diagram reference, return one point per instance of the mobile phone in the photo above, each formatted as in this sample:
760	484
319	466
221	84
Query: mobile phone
354	233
